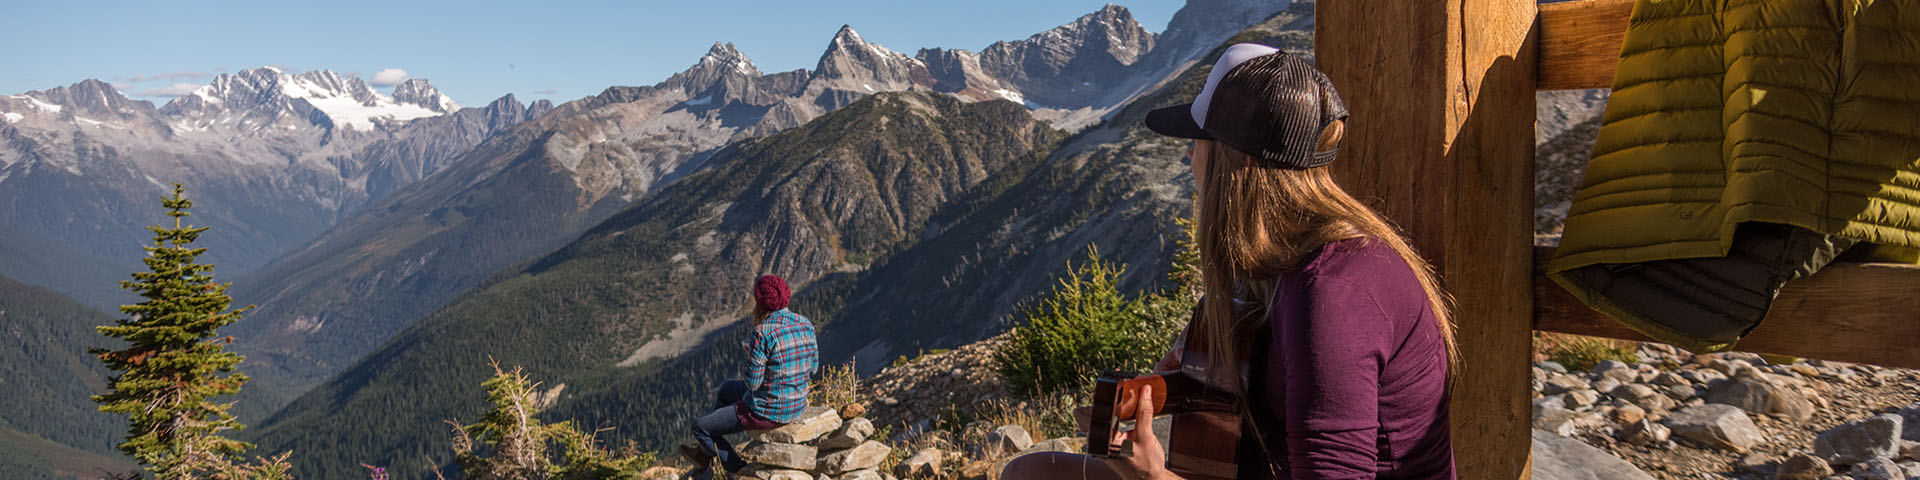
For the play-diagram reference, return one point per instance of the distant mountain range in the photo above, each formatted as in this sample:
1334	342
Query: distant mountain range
536	186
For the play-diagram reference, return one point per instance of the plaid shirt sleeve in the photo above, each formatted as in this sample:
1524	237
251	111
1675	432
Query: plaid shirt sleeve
757	359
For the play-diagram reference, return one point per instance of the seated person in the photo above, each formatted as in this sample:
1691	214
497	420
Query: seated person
782	356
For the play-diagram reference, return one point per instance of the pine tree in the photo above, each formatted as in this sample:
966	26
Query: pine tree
175	363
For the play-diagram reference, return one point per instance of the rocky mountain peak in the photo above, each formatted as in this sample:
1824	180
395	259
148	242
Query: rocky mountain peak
852	64
724	55
417	91
93	99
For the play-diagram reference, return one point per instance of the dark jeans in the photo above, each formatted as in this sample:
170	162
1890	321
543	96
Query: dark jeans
711	429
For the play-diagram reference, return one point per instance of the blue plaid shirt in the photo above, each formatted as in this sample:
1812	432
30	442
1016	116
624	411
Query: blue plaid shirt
783	356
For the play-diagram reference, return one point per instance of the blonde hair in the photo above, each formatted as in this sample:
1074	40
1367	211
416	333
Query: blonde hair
1255	223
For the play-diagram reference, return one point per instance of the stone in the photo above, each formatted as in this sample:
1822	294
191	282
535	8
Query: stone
1803	467
851	433
1628	413
861	474
1560	458
1646	433
865	455
852	410
1563	422
1007	440
813	422
1563	383
1605	385
1632	392
1754	463
1552	366
1550	401
1722	427
1909	449
1911	469
1755	394
1729	367
1578	399
1911	419
660	473
1877	469
1670	379
1679	392
923	464
821	476
1859	440
782	455
779	474
1804	370
1616	370
977	469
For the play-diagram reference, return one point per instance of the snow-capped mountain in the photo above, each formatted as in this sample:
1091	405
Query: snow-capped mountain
270	157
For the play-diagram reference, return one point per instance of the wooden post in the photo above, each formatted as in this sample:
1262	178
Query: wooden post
1441	140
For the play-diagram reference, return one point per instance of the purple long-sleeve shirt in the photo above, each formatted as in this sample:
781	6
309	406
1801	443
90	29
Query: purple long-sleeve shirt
1356	373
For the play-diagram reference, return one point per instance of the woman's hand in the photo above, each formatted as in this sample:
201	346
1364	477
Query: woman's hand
1148	462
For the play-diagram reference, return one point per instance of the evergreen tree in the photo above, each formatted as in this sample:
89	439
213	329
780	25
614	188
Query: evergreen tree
175	363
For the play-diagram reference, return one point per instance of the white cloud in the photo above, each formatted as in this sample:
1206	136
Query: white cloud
388	77
176	90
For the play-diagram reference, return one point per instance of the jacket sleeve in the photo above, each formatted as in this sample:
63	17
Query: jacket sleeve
1330	350
757	352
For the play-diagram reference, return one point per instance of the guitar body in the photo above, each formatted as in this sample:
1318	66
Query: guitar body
1206	424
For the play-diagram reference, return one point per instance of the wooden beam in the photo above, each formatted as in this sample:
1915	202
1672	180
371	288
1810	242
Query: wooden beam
1580	42
1440	140
1849	312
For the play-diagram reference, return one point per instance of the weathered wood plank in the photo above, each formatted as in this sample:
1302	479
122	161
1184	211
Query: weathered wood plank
1580	42
1850	312
1440	140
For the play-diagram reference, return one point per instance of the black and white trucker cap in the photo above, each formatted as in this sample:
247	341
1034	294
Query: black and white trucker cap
1266	103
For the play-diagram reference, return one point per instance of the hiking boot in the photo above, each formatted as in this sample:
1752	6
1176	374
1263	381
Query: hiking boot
701	460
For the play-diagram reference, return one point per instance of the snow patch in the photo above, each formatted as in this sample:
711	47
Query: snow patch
352	113
700	101
14	117
43	105
869	86
96	123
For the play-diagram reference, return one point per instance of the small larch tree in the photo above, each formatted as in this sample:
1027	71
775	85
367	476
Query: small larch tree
174	362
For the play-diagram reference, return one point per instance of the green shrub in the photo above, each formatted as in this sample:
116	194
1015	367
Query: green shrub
1580	353
509	442
1082	327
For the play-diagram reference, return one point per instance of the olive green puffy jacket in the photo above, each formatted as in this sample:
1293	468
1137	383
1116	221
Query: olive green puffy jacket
1746	143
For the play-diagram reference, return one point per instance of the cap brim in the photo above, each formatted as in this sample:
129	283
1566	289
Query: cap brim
1176	121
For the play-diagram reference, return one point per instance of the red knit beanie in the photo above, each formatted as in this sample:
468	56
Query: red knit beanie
770	293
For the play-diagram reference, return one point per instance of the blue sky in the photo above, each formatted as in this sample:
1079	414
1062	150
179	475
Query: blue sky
476	51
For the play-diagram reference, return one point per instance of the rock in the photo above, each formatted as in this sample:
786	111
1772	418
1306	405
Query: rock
1702	376
851	433
1628	413
977	469
861	474
1578	399
779	474
1755	394
1559	458
1909	449
1679	392
1716	426
1552	366
1632	392
865	455
1911	469
852	410
1563	383
821	476
1859	440
1754	463
782	455
923	464
1670	379
1804	370
1803	467
1911	417
660	473
1729	367
1646	433
1877	469
1616	370
1006	440
1605	385
1563	422
1551	401
813	422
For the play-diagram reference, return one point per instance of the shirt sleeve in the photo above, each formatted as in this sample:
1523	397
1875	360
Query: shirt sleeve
1330	349
757	352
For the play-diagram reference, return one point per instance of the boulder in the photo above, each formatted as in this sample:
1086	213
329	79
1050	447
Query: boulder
1668	379
1860	440
865	455
1911	417
1552	366
1563	422
851	433
1877	469
813	422
1715	426
1563	383
1007	440
781	455
862	474
1560	458
1628	413
852	410
923	464
1754	463
1912	469
1645	433
1803	467
1754	393
1615	370
1578	399
1909	449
